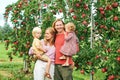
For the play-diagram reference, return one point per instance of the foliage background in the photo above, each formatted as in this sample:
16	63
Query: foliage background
105	51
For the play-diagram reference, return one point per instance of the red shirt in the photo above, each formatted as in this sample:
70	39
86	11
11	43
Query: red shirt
58	44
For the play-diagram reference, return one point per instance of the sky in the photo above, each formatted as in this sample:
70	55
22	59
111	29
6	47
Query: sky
3	4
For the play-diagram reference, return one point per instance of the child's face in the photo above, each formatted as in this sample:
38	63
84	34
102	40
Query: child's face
38	34
67	29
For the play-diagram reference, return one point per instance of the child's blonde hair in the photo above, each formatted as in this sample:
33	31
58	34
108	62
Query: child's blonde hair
71	26
35	30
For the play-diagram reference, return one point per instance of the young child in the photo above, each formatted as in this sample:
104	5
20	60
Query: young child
70	46
39	50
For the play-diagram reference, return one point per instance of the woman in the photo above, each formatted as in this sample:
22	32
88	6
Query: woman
40	66
61	72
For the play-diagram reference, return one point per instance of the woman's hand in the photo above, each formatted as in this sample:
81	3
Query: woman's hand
38	56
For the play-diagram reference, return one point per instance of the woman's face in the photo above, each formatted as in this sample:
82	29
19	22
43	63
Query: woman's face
59	26
48	36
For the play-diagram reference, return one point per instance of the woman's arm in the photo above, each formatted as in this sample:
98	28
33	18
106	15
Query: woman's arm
32	53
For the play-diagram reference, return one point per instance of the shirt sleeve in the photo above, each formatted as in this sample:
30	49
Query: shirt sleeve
30	51
51	53
69	36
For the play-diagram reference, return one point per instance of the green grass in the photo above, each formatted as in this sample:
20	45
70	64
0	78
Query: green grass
10	70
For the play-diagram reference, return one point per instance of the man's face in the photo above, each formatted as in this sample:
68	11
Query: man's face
59	26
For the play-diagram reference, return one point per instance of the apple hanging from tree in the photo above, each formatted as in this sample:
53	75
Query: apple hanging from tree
74	17
104	70
82	71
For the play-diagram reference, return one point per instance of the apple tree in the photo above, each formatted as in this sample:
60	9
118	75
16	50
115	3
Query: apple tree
98	32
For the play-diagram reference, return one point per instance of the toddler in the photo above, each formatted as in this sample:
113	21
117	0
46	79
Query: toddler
69	48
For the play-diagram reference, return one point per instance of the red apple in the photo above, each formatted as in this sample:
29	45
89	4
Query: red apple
101	9
20	2
106	40
108	7
115	4
82	72
19	6
112	29
104	70
60	10
118	50
89	63
77	5
86	7
15	21
83	15
105	27
85	22
23	23
102	12
118	58
15	11
115	18
109	50
74	17
45	5
102	26
97	56
111	77
92	72
96	23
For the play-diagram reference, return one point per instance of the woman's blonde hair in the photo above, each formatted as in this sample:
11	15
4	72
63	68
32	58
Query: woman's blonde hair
52	40
71	26
36	29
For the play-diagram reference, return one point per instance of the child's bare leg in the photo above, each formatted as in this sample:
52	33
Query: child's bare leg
67	61
48	60
48	68
63	57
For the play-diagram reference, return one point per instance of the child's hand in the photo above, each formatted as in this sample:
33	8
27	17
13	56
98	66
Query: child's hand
38	56
64	33
46	49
